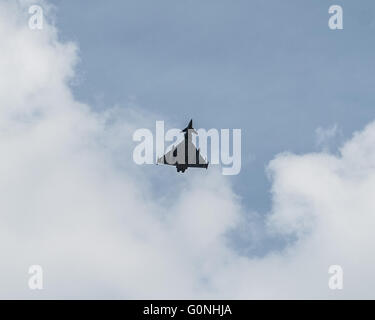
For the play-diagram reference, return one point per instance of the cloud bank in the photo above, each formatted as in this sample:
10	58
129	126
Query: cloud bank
73	201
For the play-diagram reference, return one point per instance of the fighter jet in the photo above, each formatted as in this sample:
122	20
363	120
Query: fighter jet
185	154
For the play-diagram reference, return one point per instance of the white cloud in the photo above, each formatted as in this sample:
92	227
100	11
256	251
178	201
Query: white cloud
73	202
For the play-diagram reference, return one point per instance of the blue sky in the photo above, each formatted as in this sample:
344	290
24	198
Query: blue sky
272	68
101	226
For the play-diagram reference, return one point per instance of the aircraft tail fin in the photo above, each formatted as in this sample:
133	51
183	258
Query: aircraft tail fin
190	127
